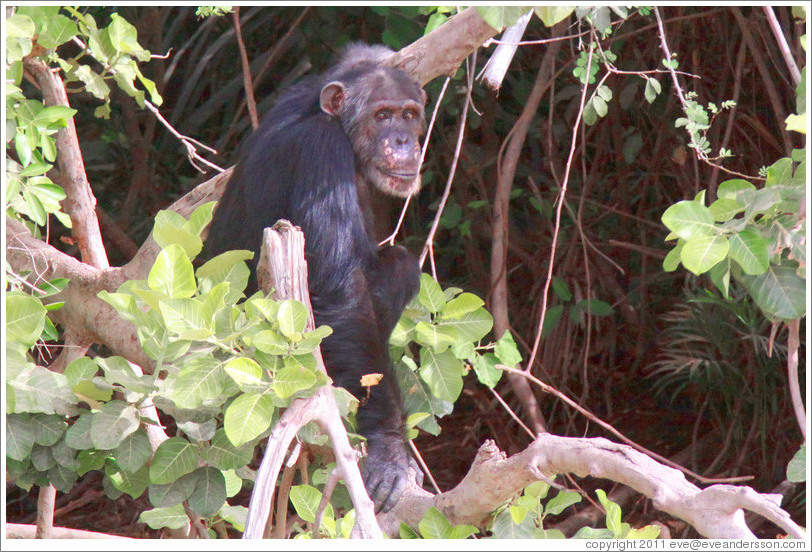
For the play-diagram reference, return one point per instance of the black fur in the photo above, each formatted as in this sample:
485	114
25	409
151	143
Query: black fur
303	164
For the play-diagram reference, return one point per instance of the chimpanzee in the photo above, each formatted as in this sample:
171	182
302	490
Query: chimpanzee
327	140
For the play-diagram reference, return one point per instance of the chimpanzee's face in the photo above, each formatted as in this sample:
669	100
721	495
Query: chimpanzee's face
395	121
383	114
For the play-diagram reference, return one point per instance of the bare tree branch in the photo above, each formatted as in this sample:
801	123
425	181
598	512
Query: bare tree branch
715	512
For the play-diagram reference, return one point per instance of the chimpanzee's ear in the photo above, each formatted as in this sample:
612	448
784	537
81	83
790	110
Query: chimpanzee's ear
332	97
423	97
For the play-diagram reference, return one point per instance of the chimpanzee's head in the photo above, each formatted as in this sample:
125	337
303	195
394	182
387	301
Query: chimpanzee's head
382	111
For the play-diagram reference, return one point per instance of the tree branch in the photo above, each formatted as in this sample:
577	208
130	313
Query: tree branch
282	268
715	512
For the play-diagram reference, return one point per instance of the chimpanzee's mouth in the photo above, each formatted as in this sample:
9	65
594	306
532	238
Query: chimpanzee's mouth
405	176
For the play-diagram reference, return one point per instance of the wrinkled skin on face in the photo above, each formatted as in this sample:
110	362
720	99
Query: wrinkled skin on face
383	114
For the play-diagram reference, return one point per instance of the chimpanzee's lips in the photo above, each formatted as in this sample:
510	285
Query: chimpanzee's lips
402	175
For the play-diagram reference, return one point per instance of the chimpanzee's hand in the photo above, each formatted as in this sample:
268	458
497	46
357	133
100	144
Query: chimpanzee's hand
386	472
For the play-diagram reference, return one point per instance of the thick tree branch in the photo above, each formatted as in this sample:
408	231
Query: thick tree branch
443	50
79	203
715	512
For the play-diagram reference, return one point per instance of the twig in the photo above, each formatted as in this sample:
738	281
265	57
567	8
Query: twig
188	143
246	70
561	198
424	466
197	523
513	415
793	345
775	26
457	149
608	427
327	493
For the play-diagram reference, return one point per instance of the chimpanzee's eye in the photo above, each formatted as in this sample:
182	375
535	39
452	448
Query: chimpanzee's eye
382	115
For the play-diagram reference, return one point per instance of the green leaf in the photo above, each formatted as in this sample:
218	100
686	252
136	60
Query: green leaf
550	15
247	417
236	516
305	500
270	342
689	219
174	458
48	429
41	458
25	318
53	114
200	382
292	317
461	305
37	389
166	235
185	318
112	423
209	493
222	454
442	372
720	276
504	528
724	209
779	172
652	90
613	513
437	337
434	524
123	36
431	294
200	218
500	17
506	350
796	469
292	378
133	452
701	253
233	483
20	26
170	494
672	259
81	369
20	436
779	292
118	370
172	273
58	30
62	478
749	249
245	372
470	327
404	332
600	106
560	502
595	307
133	484
78	435
731	189
173	518
486	370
